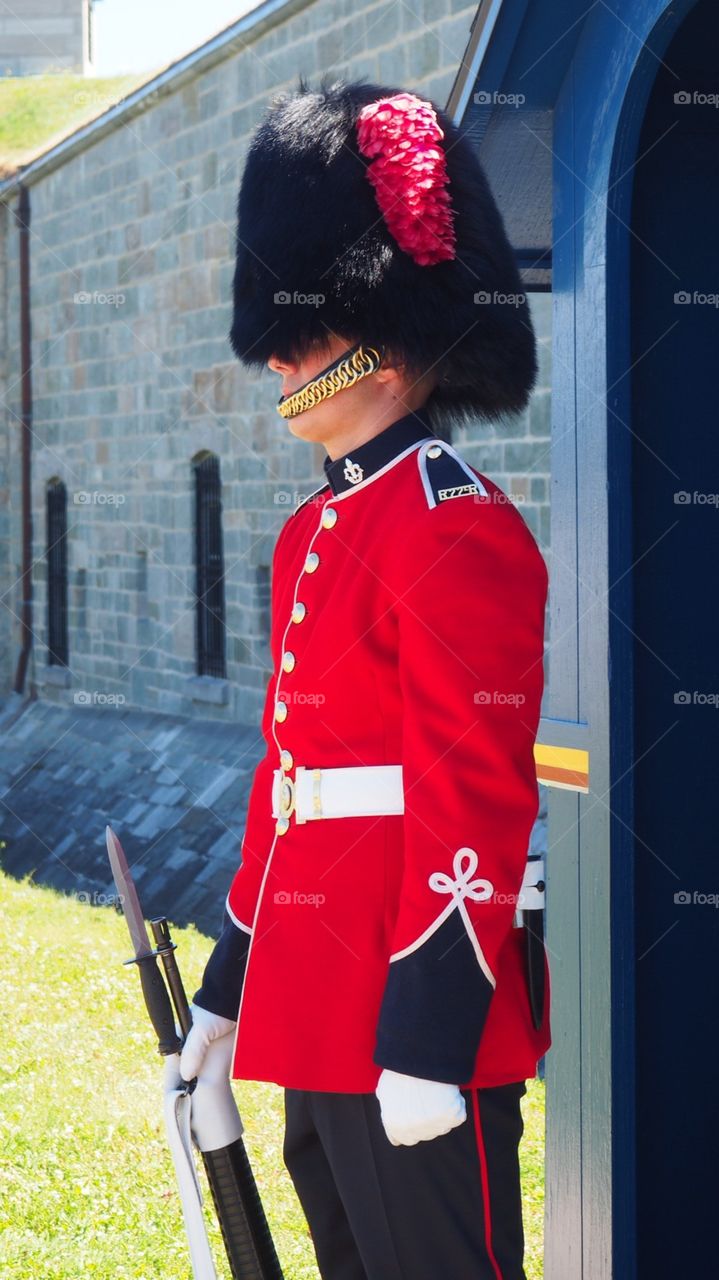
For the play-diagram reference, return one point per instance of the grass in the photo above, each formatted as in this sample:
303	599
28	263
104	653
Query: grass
37	111
88	1184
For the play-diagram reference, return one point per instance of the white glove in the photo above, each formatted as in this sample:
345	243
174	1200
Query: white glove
205	1028
215	1119
415	1110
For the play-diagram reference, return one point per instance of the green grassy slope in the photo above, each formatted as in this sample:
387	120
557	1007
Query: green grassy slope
88	1184
37	111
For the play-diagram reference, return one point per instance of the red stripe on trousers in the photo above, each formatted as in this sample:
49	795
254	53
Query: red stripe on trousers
485	1184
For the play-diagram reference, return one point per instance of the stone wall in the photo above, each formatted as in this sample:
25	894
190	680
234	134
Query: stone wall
133	375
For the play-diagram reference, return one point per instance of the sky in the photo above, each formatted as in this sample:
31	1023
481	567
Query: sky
141	35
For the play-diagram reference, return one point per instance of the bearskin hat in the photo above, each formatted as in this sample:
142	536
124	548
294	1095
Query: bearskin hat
364	212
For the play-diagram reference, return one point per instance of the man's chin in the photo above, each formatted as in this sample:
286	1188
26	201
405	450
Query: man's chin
306	425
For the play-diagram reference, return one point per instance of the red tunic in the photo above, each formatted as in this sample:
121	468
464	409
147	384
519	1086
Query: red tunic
416	638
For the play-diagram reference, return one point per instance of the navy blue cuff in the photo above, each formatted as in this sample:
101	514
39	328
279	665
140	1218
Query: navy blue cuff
434	1008
225	972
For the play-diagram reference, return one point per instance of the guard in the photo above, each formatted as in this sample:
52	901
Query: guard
382	956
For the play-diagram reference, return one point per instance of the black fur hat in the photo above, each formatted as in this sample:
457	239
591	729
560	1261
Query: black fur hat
315	257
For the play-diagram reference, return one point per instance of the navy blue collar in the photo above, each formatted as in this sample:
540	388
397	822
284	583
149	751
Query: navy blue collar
360	463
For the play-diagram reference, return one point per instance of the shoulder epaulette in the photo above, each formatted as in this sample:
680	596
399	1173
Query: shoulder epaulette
445	475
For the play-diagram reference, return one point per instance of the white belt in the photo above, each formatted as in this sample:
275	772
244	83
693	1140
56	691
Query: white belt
355	792
363	791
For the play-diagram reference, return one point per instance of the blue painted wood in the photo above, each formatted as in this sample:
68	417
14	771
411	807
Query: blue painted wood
593	68
563	733
669	400
601	103
563	1197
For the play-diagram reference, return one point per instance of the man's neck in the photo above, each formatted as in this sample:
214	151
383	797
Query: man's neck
364	460
352	435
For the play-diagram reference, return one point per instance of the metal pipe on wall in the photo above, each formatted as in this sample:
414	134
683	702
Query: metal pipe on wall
22	218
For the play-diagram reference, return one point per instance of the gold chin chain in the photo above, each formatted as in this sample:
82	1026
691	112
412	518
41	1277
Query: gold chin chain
344	372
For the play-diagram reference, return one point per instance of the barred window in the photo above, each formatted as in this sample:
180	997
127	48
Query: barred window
209	567
56	555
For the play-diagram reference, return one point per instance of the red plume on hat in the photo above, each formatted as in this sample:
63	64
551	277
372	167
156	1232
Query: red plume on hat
364	212
408	171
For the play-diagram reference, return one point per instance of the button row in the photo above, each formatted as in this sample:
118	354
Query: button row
299	613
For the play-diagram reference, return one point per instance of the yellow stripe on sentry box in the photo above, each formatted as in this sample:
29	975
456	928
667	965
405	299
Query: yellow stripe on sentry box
566	767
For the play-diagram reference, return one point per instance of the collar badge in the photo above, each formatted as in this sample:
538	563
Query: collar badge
353	472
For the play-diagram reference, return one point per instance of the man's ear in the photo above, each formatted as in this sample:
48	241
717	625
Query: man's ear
390	371
402	380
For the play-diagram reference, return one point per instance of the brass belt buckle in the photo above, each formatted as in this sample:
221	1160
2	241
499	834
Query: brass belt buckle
287	795
287	801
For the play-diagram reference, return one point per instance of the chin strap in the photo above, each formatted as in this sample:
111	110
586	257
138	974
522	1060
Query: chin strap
347	369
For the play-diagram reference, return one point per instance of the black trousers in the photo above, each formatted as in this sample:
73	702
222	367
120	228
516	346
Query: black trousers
446	1209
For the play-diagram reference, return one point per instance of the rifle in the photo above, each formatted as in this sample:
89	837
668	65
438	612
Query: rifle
250	1249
